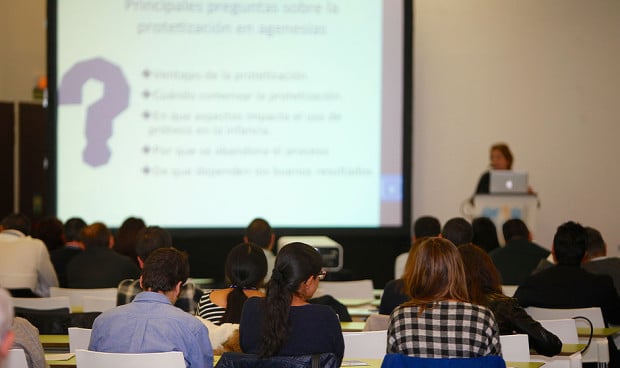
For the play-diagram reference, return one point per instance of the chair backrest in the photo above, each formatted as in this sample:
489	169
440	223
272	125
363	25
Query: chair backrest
16	359
359	289
515	348
95	359
564	329
42	303
365	345
594	314
79	338
509	290
242	360
76	295
405	361
399	265
97	303
377	322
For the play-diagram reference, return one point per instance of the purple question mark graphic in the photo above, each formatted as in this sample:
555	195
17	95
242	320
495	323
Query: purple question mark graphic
100	114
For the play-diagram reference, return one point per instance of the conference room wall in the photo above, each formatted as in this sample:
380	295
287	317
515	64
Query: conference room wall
543	76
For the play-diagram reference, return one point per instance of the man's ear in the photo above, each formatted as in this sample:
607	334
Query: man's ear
140	262
178	288
7	343
142	287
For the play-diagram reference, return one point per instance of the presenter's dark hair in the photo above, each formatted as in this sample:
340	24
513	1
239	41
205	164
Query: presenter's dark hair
485	233
73	226
482	276
164	268
295	263
426	226
259	232
17	221
569	243
458	231
246	267
505	151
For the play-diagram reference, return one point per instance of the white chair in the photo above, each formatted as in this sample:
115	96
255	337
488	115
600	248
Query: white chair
399	265
509	290
599	347
566	330
360	290
377	322
76	295
515	348
79	338
42	303
16	359
365	345
97	303
94	359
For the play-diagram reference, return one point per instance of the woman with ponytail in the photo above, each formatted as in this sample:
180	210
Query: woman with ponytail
284	323
246	267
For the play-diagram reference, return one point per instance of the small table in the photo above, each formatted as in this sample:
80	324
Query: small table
352	326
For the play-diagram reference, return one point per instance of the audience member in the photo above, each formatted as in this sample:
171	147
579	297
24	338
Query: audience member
438	321
458	231
520	256
485	234
6	320
566	284
61	257
259	232
99	266
27	338
394	293
284	323
150	323
149	239
596	259
485	288
245	271
25	265
422	227
51	232
125	242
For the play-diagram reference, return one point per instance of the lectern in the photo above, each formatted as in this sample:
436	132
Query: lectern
500	208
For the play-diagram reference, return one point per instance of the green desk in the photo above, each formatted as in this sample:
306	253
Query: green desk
55	343
70	363
524	364
352	326
597	332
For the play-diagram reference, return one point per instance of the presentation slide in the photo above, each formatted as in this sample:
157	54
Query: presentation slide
206	114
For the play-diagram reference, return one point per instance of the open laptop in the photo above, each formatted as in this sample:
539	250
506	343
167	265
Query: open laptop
508	182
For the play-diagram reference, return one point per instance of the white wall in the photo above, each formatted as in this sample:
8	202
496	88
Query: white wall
541	75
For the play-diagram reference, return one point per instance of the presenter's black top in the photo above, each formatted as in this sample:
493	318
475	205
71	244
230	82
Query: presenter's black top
314	329
393	296
484	183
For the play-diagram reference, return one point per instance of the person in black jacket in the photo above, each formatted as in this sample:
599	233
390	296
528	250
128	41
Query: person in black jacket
484	287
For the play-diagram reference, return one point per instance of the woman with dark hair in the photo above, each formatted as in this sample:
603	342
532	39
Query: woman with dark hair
484	287
125	242
501	159
439	321
485	233
245	269
291	326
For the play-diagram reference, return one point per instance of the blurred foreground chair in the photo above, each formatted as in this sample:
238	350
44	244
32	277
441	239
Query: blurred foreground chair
79	338
365	345
95	359
404	361
16	359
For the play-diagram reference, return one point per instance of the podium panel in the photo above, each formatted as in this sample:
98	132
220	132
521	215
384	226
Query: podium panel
501	208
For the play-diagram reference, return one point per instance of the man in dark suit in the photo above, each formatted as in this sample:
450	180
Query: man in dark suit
73	246
520	256
596	260
566	284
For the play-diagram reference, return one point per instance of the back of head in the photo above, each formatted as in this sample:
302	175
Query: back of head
246	267
595	247
436	273
485	233
426	226
126	236
150	238
17	221
506	152
569	243
164	269
482	275
514	229
458	231
295	263
259	232
6	313
73	226
51	231
96	235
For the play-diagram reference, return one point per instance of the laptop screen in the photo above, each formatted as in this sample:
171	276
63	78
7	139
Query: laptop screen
508	182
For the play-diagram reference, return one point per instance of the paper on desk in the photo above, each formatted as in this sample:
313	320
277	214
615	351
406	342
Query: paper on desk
353	363
63	356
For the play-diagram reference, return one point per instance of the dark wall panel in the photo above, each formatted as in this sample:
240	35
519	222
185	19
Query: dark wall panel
32	150
7	144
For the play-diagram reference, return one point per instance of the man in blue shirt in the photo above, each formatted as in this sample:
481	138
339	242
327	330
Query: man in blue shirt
151	323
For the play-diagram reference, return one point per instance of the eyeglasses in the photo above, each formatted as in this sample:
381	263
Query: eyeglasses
322	274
